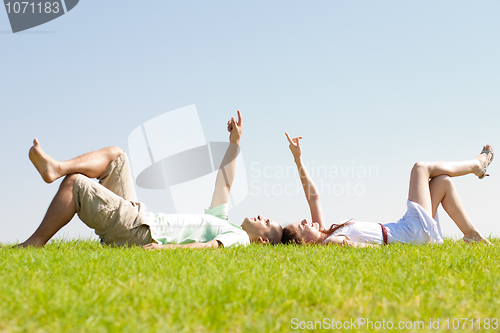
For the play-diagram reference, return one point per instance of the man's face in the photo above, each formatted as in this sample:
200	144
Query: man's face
258	227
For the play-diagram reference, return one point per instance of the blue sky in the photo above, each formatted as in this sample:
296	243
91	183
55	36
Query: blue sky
381	84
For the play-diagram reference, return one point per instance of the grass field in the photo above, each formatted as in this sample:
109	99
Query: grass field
80	286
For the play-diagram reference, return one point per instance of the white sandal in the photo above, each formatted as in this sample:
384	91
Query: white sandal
482	171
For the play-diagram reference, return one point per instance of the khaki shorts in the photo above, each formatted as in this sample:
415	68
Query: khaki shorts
111	207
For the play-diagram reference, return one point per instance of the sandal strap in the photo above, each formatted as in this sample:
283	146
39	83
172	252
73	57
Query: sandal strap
482	171
487	152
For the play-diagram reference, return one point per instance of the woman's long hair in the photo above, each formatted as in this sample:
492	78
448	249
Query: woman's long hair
290	236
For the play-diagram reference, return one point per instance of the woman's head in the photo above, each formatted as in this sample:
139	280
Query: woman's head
303	232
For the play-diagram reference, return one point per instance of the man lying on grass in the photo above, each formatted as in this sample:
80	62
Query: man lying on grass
112	210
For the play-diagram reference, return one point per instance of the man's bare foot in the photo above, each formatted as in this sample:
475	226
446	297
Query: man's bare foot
483	161
11	247
48	167
25	245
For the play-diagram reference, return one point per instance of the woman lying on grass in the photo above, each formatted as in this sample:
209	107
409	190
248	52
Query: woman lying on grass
430	185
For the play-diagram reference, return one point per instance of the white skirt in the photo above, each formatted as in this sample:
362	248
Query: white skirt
416	226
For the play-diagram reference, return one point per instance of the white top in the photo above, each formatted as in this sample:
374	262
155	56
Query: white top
197	228
417	227
360	232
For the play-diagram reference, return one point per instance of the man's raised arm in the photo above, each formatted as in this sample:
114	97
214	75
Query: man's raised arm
227	169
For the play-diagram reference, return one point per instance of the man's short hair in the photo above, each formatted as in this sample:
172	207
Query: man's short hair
274	235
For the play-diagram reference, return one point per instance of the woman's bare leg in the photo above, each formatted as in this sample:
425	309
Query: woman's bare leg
443	192
60	212
419	191
91	164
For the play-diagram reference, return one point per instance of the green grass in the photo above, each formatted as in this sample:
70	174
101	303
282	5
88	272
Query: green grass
80	286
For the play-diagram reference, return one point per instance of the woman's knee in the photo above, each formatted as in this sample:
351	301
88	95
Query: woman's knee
443	180
420	167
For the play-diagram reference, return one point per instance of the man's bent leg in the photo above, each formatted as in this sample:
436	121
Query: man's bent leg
115	220
91	164
60	212
118	178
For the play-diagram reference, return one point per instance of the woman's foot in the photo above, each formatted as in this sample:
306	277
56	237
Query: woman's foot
476	237
48	168
484	159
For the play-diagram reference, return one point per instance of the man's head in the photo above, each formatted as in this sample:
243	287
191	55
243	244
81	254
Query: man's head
262	230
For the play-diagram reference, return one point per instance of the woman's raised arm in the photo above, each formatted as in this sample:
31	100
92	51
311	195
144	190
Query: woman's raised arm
310	190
